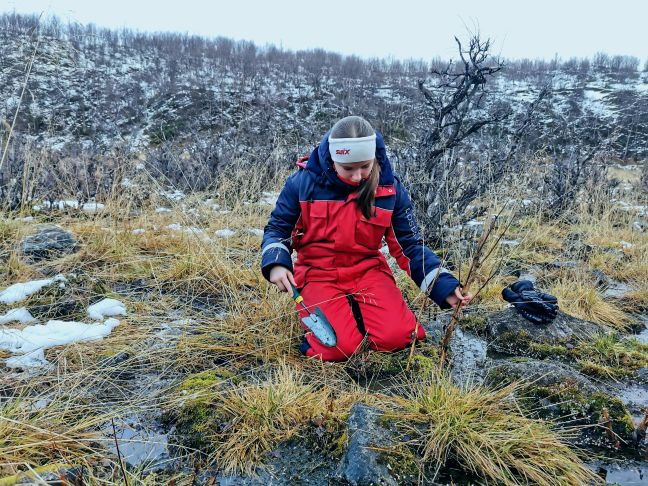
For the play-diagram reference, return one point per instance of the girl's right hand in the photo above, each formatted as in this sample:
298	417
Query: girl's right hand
282	278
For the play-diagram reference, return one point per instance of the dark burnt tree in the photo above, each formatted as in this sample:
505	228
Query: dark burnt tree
450	172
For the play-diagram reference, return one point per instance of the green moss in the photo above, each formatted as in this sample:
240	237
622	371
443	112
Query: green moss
543	350
570	401
207	379
475	323
402	463
340	444
196	417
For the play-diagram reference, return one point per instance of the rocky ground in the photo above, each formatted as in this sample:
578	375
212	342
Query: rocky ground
200	382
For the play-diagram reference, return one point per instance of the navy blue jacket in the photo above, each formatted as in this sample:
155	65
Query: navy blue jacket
302	220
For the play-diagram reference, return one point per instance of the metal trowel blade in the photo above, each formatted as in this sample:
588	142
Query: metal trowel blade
321	328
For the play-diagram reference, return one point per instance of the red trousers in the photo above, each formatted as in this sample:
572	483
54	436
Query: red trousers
379	309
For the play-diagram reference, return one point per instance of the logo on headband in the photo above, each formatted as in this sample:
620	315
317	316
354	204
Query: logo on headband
342	151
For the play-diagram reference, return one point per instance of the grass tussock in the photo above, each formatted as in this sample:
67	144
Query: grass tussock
34	435
578	296
259	417
486	433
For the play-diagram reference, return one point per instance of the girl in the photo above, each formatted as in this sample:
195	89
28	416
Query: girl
335	212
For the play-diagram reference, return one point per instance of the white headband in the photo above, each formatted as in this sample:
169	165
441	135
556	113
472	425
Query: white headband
349	150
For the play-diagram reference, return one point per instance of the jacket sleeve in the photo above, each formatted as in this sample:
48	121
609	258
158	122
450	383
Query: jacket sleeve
276	246
421	264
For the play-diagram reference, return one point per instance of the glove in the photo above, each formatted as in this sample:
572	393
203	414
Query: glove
537	307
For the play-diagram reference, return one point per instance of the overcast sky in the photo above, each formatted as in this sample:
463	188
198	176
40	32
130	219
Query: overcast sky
396	28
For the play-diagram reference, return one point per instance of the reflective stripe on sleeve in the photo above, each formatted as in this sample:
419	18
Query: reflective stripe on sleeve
430	277
274	245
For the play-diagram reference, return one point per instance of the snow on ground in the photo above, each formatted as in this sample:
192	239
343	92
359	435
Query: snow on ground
20	291
269	198
138	231
90	207
190	230
162	210
21	315
255	231
31	342
106	308
224	233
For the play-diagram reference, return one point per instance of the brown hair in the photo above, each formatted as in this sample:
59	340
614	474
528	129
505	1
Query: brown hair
367	192
356	127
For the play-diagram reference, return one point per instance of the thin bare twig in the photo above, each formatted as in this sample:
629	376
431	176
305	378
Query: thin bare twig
119	457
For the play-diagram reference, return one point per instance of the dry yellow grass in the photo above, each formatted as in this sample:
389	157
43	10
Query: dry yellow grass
486	433
577	295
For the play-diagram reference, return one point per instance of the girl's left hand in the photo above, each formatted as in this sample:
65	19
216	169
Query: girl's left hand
458	298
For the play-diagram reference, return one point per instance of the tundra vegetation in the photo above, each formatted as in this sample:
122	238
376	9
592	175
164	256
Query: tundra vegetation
205	361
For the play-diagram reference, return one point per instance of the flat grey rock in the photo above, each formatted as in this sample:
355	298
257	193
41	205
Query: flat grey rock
360	465
49	241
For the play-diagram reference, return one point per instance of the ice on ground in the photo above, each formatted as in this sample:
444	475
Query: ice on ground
162	210
224	233
20	291
106	308
255	231
269	198
21	315
31	341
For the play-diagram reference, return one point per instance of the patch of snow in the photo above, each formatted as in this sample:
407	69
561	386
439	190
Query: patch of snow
27	219
31	341
625	245
106	308
473	222
174	227
176	195
90	207
255	231
21	315
269	198
224	233
138	231
162	210
20	291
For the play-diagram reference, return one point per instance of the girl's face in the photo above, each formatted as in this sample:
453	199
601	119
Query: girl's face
354	171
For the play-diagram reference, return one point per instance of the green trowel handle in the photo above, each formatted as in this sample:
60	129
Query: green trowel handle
296	297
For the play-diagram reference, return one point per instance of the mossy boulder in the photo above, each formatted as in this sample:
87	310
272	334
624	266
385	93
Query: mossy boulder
554	390
512	334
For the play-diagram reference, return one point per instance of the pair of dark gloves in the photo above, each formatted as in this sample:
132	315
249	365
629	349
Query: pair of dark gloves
537	307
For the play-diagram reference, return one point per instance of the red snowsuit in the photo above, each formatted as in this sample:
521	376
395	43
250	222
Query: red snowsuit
340	268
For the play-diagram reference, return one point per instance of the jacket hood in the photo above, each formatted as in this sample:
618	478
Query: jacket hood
320	163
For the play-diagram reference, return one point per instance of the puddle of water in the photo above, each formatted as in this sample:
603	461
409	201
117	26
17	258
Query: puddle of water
139	445
626	474
642	336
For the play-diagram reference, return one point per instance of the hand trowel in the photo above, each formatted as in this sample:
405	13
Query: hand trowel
316	322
